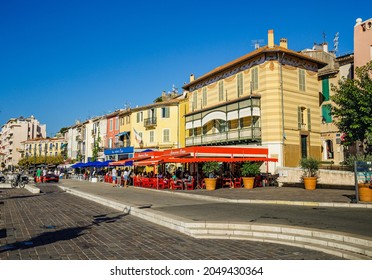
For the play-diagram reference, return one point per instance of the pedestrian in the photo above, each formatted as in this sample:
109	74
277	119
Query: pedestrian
126	176
119	177
38	175
113	174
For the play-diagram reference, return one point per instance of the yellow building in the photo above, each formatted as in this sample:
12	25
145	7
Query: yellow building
44	147
268	97
159	125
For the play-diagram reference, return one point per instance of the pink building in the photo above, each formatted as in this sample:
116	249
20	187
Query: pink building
362	42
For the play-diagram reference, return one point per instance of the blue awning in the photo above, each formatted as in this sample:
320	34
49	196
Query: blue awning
122	133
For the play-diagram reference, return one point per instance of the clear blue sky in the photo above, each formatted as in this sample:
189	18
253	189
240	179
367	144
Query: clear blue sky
69	60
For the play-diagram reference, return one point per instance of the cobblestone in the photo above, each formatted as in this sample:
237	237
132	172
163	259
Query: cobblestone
57	225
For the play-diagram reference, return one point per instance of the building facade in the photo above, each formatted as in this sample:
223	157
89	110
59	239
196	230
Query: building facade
13	134
160	125
362	42
268	97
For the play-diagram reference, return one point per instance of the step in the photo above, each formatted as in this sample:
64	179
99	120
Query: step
344	246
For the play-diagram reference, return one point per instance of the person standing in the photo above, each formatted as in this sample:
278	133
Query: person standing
38	175
119	177
126	177
114	174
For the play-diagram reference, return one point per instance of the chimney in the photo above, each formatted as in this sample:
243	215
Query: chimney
325	47
192	77
270	39
284	43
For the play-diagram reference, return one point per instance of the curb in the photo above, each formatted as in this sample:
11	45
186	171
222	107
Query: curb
346	246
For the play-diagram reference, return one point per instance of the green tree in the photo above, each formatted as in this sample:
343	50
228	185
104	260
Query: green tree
96	146
353	110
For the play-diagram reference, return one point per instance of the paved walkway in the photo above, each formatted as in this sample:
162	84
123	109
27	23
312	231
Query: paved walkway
325	209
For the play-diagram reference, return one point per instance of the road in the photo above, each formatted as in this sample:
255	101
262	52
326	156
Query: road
57	225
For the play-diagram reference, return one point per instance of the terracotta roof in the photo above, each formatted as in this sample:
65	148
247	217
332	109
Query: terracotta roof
250	55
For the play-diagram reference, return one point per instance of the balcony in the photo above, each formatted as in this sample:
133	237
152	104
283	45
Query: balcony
232	136
150	122
122	144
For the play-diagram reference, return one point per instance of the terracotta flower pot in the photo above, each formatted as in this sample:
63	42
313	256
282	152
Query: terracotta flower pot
365	192
210	184
248	182
310	183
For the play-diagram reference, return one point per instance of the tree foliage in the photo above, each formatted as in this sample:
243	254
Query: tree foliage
53	160
353	107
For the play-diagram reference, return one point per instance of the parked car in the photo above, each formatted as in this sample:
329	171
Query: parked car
49	178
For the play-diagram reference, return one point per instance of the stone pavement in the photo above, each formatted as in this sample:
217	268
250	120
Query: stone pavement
283	215
57	225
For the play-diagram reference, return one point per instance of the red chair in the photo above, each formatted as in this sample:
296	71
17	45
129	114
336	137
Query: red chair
136	181
176	184
238	182
163	184
258	181
145	182
190	185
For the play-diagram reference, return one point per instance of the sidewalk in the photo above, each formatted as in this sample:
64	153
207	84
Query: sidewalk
268	214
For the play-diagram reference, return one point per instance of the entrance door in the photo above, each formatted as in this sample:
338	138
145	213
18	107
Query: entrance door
304	146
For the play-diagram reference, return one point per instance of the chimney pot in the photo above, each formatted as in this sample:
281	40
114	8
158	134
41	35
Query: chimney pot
270	40
284	43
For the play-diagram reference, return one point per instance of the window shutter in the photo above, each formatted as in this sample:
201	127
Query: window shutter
325	89
308	119
299	117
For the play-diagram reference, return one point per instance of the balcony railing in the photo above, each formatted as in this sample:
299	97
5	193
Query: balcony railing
225	137
149	122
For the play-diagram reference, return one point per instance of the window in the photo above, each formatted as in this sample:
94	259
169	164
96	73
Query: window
50	146
220	91
151	136
254	79
165	112
111	124
110	143
117	123
128	119
326	113
166	137
325	89
304	118
301	79
56	146
139	117
204	96
195	100
240	84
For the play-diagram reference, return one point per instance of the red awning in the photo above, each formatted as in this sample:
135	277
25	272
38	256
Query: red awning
218	159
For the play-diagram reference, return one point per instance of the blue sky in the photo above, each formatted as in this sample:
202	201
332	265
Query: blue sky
63	61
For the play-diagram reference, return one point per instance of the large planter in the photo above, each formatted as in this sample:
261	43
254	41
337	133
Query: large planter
210	184
310	183
248	182
365	192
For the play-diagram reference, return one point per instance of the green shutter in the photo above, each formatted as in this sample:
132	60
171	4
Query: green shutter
308	119
326	113
299	117
325	89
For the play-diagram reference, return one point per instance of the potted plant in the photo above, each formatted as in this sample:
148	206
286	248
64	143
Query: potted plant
310	167
210	169
249	170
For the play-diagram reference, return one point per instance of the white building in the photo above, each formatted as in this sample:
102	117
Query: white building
13	133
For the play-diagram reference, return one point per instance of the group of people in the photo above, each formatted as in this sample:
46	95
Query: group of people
120	178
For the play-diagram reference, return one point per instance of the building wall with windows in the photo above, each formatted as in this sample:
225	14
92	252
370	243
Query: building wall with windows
268	97
362	42
159	125
13	133
47	147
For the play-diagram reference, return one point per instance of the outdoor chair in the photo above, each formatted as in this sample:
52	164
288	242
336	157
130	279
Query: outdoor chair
238	182
176	184
189	185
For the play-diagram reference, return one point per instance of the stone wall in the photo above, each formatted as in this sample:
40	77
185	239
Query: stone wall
327	177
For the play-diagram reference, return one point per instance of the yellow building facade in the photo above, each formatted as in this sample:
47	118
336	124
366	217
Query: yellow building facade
159	125
268	97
